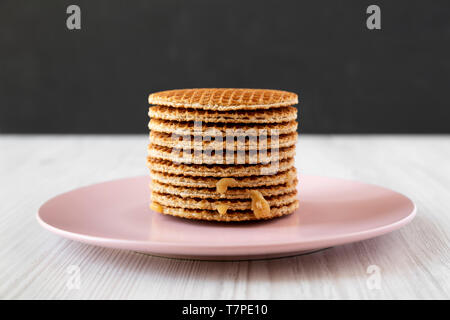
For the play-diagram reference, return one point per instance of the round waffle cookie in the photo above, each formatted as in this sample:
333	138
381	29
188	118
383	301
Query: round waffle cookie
248	157
222	129
256	143
211	204
221	99
231	216
198	170
232	193
281	177
276	115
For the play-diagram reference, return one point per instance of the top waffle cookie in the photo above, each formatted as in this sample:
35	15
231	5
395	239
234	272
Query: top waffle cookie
224	99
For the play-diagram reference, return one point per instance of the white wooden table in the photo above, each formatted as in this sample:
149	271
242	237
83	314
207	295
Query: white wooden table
414	262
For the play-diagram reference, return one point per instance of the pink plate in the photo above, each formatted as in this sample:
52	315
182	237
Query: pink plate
332	212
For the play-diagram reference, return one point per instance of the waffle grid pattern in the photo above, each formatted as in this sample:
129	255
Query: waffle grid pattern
224	99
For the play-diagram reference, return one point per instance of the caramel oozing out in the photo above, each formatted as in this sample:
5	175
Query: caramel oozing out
222	209
223	184
156	207
260	206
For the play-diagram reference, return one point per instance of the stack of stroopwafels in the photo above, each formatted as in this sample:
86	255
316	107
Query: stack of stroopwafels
223	154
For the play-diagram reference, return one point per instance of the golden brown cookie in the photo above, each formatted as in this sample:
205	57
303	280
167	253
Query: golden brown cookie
231	193
222	129
230	216
282	114
211	204
222	99
172	141
198	170
282	177
203	157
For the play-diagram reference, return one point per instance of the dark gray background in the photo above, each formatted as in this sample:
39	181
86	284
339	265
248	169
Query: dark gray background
350	79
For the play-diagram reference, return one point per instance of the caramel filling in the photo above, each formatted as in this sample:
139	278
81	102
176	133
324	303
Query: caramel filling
156	207
260	206
223	184
222	209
